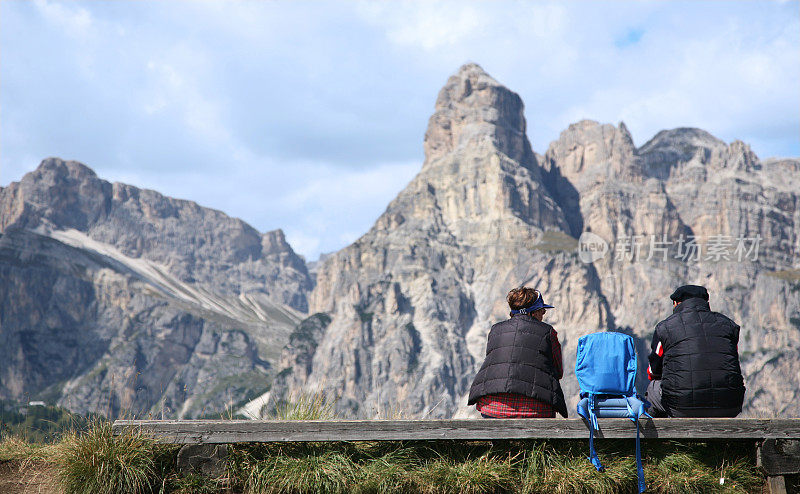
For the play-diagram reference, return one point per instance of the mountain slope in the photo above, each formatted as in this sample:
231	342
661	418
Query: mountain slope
121	300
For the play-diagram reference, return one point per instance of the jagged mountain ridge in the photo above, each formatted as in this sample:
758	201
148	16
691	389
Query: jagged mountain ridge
121	300
405	309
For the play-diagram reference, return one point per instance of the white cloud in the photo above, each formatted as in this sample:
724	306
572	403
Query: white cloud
74	20
282	112
428	25
341	205
719	68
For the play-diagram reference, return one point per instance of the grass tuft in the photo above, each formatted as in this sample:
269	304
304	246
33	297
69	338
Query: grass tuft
388	473
565	469
16	448
325	472
698	468
471	476
306	406
96	461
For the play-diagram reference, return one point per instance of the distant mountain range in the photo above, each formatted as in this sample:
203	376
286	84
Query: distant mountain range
122	301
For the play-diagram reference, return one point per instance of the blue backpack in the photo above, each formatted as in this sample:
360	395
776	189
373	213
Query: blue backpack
606	370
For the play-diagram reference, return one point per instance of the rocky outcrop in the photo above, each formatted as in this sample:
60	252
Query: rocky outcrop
410	303
123	301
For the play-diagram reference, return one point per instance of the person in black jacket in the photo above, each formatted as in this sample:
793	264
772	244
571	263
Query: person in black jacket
519	377
694	363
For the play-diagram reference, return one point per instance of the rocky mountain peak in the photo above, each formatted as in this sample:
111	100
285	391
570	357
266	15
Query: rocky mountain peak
587	151
62	168
479	169
681	144
58	194
274	241
681	138
741	157
674	151
473	110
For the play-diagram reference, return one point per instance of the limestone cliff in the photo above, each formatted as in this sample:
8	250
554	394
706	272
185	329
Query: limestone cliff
121	300
403	312
411	301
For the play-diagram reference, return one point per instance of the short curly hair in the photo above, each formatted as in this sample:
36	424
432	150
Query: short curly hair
521	297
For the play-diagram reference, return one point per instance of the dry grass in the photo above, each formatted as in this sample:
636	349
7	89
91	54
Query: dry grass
14	448
394	411
306	406
96	461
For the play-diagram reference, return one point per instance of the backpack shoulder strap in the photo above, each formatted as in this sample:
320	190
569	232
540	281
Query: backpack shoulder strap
636	408
586	409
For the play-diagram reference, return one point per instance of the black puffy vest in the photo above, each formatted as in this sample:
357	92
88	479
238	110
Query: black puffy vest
519	359
701	360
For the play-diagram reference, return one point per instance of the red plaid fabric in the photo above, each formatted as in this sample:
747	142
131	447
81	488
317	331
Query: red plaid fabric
516	406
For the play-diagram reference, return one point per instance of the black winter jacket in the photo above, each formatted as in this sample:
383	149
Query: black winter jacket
519	359
695	355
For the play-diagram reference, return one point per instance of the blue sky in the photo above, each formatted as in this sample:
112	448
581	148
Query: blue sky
309	116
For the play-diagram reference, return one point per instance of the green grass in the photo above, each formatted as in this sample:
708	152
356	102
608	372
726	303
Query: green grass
565	469
506	466
471	476
192	484
317	471
387	469
679	468
95	461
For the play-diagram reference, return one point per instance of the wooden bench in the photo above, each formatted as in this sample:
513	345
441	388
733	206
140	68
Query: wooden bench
777	440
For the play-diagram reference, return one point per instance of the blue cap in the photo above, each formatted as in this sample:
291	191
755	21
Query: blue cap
537	304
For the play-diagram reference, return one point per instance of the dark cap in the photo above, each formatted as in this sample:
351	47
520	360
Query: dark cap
689	291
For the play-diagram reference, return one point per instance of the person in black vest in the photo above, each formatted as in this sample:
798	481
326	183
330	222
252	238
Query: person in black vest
694	363
519	377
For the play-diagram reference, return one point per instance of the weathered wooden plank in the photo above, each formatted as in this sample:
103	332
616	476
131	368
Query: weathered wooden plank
236	431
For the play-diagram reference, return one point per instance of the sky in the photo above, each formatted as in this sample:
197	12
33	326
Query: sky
309	116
